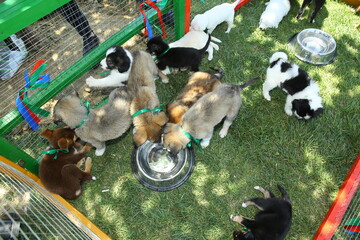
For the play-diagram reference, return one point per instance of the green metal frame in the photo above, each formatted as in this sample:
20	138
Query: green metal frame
18	14
64	79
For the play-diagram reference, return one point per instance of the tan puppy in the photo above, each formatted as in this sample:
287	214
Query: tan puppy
98	125
148	122
199	121
198	85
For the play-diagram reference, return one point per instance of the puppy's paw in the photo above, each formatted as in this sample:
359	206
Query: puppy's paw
93	178
237	218
90	81
257	187
165	80
223	133
204	144
244	205
100	151
288	112
267	96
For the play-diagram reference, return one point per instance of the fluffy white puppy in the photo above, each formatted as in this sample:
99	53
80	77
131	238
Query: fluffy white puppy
303	93
118	60
211	18
274	13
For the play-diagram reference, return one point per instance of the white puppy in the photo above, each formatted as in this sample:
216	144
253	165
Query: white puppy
211	18
118	60
197	39
274	13
303	93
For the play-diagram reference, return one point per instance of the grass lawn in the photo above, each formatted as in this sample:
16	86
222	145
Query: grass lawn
264	146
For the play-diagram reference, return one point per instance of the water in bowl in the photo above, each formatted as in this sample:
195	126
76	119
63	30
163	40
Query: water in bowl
315	44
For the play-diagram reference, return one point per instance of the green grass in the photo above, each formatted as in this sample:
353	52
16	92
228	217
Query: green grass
264	146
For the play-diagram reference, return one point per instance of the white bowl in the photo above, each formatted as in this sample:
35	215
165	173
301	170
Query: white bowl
156	169
313	46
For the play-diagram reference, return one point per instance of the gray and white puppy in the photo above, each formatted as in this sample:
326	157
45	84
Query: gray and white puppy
98	125
199	121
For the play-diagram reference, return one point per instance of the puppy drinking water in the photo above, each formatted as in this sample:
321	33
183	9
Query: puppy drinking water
147	115
59	169
198	85
179	57
303	93
96	126
211	18
199	121
273	221
118	60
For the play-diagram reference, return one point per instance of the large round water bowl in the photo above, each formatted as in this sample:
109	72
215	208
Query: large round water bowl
313	46
155	168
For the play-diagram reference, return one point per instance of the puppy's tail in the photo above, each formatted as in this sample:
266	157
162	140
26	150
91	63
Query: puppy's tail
284	194
219	72
244	85
203	50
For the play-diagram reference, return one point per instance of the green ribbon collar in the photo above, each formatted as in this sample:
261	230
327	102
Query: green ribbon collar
155	110
155	58
192	139
55	151
88	107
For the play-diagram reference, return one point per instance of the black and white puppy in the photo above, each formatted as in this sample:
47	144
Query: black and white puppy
118	60
177	57
303	93
318	6
272	222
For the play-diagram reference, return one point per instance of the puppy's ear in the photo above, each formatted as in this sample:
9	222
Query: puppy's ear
63	143
140	136
123	63
47	133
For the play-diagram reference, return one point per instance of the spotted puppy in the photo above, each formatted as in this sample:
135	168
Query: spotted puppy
303	98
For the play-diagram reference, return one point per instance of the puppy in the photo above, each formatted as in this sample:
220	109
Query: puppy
197	39
198	85
59	169
273	221
178	57
274	13
118	60
97	125
148	121
318	5
303	93
199	121
211	18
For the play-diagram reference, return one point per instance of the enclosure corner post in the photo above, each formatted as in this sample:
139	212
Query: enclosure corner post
182	17
17	156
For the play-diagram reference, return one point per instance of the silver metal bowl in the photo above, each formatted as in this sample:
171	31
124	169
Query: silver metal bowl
313	46
156	169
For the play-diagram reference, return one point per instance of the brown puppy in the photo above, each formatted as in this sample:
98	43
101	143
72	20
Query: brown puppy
199	121
148	122
59	169
198	85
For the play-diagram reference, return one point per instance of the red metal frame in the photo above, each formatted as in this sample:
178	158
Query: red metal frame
340	204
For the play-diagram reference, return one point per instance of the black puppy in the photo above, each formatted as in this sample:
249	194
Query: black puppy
179	57
318	6
272	222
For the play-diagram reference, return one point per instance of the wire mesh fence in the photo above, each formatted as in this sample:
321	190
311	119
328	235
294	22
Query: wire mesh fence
28	211
349	227
61	39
